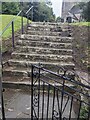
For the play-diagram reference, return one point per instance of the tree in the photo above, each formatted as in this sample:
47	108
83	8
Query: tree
15	7
58	19
86	11
10	8
42	12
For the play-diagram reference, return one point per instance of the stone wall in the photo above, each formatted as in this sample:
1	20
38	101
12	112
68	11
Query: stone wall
81	47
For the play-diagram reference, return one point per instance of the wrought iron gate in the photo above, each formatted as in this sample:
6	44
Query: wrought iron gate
57	96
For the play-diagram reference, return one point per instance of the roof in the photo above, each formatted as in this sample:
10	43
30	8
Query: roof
75	9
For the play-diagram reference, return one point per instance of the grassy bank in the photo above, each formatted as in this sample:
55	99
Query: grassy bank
5	19
6	36
81	23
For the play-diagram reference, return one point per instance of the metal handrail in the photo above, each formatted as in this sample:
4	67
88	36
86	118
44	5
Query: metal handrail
29	10
64	77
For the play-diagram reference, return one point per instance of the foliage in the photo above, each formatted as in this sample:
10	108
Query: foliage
59	19
85	6
13	8
81	23
81	5
40	12
10	8
86	11
84	112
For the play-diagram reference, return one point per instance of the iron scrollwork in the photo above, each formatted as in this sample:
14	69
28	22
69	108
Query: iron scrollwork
55	115
35	91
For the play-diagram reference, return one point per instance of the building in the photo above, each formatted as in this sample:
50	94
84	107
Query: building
76	12
70	10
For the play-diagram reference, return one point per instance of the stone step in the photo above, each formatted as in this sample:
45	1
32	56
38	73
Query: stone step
49	25
41	50
52	66
23	68
45	23
46	38
57	45
15	78
42	57
27	85
42	30
64	25
16	71
49	33
45	28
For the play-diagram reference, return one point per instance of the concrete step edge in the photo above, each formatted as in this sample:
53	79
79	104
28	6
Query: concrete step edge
30	47
40	55
48	63
44	42
24	85
46	36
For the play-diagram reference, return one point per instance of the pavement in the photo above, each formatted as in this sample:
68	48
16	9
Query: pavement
18	104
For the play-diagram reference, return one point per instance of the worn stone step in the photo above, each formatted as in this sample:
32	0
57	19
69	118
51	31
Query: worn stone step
41	50
52	26
64	25
23	68
45	28
13	78
48	65
49	33
57	45
42	57
49	25
45	23
27	85
15	71
46	38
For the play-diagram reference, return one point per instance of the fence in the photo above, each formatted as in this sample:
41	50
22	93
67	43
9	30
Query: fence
57	96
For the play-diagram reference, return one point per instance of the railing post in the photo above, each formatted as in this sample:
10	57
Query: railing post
38	92
27	22
32	93
13	45
22	17
1	95
3	112
32	14
22	23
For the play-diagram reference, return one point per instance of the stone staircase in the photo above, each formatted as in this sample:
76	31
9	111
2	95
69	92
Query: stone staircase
47	43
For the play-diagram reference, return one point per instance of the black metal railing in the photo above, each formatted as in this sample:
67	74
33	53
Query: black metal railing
2	113
58	96
11	23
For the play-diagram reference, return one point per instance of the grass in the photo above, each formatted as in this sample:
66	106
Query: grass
81	23
5	19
